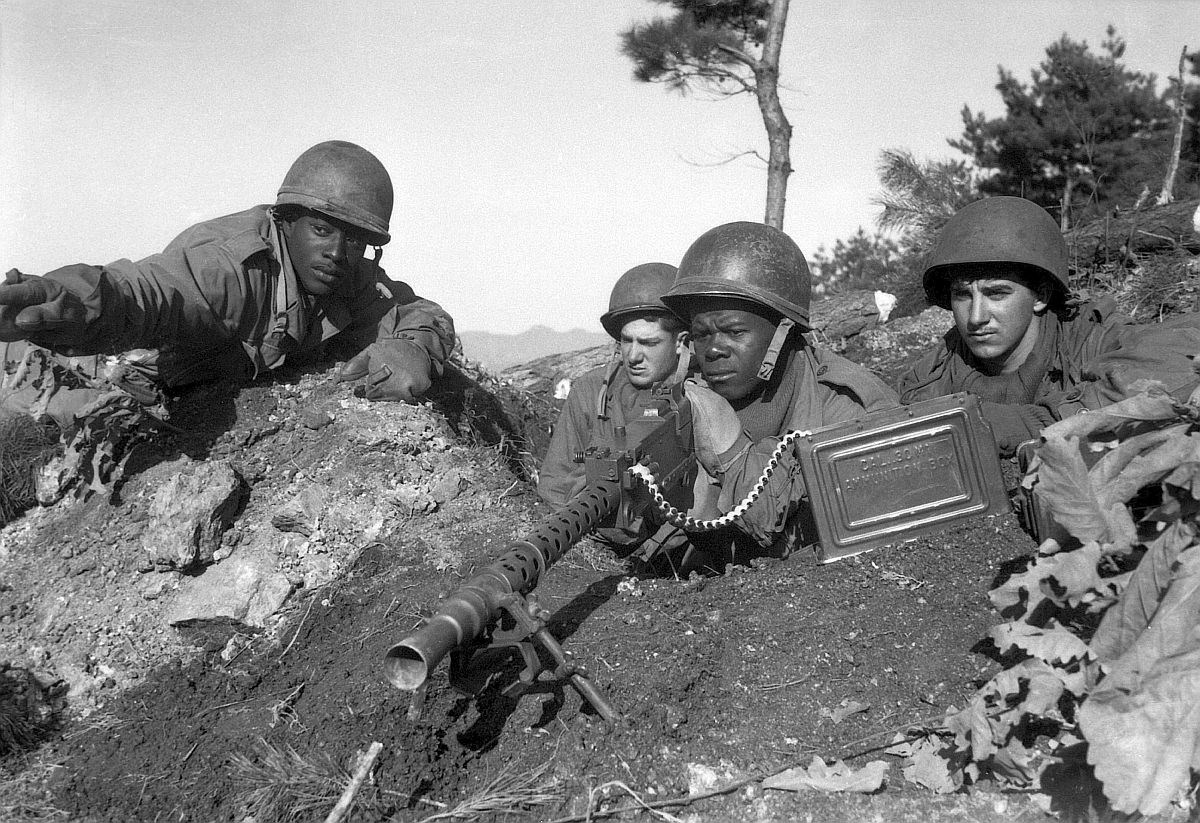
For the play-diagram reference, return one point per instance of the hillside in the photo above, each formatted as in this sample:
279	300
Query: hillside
205	643
242	685
500	351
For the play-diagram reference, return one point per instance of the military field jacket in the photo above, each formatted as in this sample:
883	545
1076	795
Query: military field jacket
593	409
218	302
1098	356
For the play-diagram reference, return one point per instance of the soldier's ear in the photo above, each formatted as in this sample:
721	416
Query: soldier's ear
682	340
1045	293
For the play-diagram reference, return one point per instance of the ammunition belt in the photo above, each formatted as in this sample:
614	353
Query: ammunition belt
681	519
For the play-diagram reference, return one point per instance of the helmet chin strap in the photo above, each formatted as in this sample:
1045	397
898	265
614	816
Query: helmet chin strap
767	368
682	367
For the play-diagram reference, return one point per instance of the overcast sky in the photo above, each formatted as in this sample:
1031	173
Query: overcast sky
530	169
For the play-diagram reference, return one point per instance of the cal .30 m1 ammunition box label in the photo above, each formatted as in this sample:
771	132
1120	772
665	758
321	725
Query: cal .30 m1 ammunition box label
912	475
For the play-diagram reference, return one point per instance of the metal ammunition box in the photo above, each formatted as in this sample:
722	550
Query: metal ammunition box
899	474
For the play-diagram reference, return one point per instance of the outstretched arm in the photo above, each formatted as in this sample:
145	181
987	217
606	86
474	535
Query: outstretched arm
84	310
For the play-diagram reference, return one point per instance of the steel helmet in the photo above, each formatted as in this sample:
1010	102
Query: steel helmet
638	291
750	261
344	181
997	230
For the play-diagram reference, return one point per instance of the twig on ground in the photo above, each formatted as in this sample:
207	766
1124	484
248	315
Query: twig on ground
617	784
923	722
770	687
280	784
365	762
188	756
504	493
285	708
311	600
203	712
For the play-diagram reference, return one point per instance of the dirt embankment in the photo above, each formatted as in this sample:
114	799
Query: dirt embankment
368	513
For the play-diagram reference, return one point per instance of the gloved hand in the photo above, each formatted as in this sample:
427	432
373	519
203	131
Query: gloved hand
394	370
31	305
1012	423
715	425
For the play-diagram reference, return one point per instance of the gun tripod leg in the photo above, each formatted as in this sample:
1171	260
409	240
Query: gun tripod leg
575	674
531	620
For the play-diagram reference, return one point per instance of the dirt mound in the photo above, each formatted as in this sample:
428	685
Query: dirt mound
357	517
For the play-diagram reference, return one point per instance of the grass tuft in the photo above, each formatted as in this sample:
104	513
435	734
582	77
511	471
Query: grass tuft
509	792
279	784
24	795
27	712
25	445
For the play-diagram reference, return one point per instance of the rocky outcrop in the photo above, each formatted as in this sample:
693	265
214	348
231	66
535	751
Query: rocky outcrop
839	316
189	513
543	375
243	590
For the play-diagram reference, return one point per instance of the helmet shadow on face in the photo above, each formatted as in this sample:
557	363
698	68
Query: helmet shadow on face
324	251
730	338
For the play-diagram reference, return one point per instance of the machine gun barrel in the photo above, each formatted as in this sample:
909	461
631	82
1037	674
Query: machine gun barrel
470	610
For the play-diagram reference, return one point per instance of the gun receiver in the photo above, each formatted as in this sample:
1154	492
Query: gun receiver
465	623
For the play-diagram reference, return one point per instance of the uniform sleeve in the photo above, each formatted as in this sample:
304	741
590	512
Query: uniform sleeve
1129	356
180	296
390	313
560	477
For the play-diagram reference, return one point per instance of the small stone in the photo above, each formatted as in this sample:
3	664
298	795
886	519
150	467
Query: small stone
315	418
449	486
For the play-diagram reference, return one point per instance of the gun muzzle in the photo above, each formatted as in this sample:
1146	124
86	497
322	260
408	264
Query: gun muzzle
461	619
467	613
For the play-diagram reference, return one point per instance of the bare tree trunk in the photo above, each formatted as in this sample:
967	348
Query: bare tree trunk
1154	230
779	130
1064	217
1167	194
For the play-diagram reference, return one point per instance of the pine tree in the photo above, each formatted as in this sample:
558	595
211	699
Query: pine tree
726	47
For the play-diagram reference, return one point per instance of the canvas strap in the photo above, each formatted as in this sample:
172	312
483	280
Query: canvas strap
769	359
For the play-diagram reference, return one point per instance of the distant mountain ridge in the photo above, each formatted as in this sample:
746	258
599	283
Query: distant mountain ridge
499	351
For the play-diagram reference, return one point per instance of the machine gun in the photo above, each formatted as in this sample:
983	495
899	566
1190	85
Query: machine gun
882	478
495	608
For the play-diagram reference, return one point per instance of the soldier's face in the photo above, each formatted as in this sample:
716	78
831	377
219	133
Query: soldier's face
649	352
324	251
999	319
730	343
